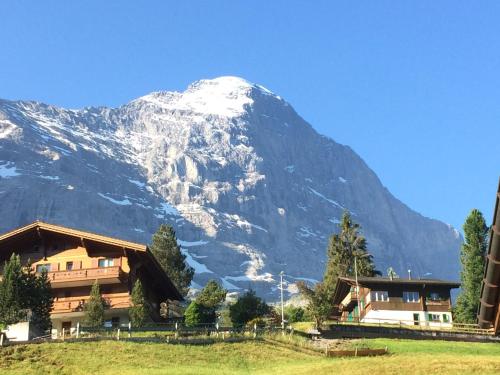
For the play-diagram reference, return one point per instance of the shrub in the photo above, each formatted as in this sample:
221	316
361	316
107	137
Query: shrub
247	307
260	322
197	314
294	314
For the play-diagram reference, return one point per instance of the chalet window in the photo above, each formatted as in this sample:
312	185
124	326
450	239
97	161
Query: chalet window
379	295
435	297
41	267
434	318
108	262
446	319
411	297
69	266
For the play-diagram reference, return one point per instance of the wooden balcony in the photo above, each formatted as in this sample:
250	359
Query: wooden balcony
76	304
438	305
86	276
351	298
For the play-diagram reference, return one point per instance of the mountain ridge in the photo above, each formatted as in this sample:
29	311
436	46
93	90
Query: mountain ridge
249	185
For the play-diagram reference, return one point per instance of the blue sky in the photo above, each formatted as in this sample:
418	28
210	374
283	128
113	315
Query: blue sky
412	86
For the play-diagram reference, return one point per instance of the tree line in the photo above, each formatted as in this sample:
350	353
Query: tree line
22	291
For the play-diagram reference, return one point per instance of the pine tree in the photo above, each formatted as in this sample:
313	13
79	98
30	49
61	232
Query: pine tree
472	258
94	308
45	300
342	249
37	296
204	309
194	314
139	310
11	291
246	308
212	295
21	290
168	253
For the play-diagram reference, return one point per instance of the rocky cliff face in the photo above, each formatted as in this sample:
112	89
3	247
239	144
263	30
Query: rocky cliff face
251	188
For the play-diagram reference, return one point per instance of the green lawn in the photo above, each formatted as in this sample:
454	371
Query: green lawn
250	357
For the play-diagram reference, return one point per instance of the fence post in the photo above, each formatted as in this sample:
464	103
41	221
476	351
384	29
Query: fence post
63	333
217	329
78	330
255	330
176	330
1	339
118	334
129	329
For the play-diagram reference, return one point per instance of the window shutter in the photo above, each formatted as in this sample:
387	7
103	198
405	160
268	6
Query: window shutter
95	262
117	262
54	267
77	264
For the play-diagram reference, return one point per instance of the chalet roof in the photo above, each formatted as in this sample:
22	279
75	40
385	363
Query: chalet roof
490	296
399	281
40	225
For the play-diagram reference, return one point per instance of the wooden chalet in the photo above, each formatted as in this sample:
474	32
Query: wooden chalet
394	300
489	309
75	259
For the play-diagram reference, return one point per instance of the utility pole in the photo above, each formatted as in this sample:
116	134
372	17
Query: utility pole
282	305
357	287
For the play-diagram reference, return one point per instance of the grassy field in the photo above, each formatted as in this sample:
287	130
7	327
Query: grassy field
250	357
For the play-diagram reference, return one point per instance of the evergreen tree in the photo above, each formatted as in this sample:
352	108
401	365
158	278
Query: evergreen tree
11	291
42	301
246	308
342	249
204	309
212	295
94	308
197	314
139	311
168	253
21	290
472	258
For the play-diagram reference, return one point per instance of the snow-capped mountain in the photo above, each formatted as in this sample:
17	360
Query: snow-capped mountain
251	188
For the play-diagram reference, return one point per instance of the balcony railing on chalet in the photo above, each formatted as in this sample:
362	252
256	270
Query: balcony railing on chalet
86	274
352	297
76	304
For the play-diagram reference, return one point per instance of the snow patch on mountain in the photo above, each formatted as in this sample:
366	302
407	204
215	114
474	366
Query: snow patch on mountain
325	198
223	96
120	202
8	170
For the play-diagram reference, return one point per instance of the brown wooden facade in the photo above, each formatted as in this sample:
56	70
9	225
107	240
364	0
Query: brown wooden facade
392	298
76	259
